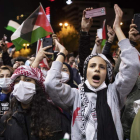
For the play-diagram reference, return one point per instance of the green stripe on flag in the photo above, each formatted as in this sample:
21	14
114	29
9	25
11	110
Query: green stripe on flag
19	43
103	43
36	34
10	28
39	33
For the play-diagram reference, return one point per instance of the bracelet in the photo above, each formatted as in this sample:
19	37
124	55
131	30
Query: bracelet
60	53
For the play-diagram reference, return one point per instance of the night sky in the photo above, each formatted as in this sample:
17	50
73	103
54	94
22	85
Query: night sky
9	9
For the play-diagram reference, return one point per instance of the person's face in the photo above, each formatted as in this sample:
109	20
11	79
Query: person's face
25	79
31	60
5	74
65	69
71	60
96	71
21	62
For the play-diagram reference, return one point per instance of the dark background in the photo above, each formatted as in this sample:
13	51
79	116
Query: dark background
9	9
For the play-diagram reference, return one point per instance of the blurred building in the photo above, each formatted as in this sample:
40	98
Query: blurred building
74	14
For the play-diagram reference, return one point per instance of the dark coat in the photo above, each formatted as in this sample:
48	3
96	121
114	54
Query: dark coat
84	50
6	59
18	128
128	114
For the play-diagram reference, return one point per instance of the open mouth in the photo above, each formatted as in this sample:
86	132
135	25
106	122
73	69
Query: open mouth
96	78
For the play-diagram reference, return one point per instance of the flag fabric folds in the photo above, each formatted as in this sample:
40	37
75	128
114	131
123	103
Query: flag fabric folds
32	29
104	34
12	26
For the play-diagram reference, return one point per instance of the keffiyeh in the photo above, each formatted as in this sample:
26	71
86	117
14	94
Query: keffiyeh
31	72
105	125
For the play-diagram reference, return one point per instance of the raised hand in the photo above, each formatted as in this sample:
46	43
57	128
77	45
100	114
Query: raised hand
116	26
86	23
98	41
133	33
3	46
40	55
118	17
111	34
60	48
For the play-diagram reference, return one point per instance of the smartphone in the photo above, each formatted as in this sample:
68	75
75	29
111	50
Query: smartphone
99	33
48	42
95	12
137	21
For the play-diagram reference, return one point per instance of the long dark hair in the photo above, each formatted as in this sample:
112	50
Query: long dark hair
45	117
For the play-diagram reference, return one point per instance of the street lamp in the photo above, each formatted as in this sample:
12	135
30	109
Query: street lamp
26	45
66	24
60	24
21	15
63	24
121	23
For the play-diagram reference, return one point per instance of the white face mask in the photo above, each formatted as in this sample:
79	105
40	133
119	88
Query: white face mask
44	72
5	83
65	77
24	91
27	63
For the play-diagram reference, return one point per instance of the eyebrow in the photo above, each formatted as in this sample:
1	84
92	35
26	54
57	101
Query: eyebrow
102	65
99	64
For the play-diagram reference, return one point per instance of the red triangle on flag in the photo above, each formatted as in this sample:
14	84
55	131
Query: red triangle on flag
42	20
9	44
104	31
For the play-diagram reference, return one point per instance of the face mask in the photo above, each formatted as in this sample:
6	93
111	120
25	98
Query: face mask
65	77
5	83
44	72
24	91
27	63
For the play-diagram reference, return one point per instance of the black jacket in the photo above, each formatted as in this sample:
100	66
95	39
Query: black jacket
18	127
6	59
84	50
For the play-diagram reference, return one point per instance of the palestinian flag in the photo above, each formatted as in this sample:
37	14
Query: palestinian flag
104	34
9	44
12	26
32	29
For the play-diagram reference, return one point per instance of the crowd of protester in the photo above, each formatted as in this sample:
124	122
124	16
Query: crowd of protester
87	97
